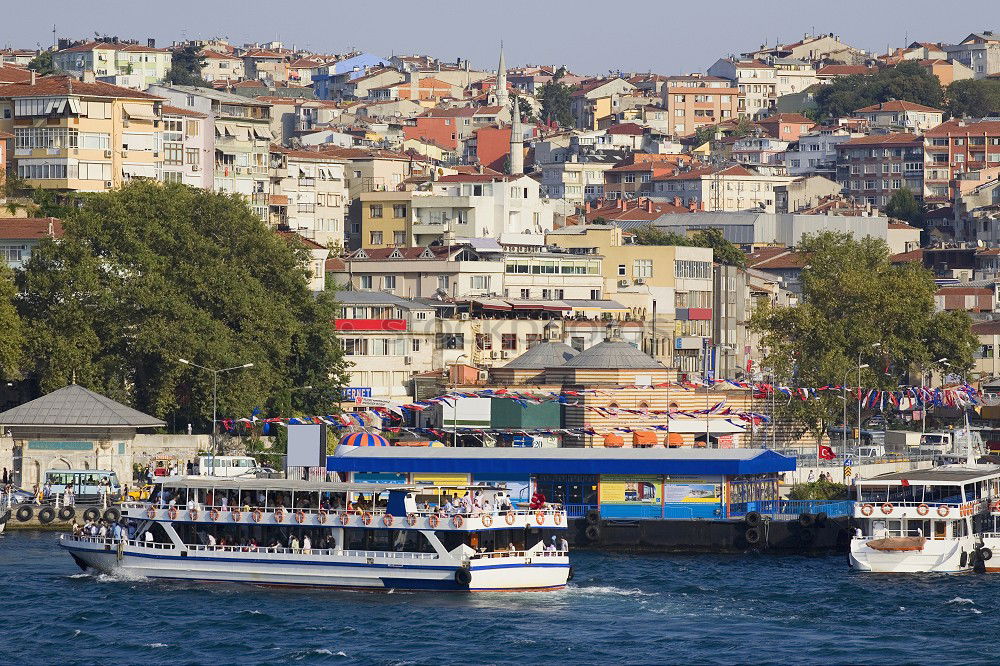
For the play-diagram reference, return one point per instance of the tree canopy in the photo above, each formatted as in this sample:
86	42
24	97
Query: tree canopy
975	98
723	251
185	68
906	81
857	305
42	64
904	206
554	97
149	274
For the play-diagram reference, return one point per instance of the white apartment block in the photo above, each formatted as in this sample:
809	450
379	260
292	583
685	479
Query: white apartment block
308	194
188	148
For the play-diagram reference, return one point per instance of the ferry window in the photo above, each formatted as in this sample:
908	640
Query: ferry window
958	528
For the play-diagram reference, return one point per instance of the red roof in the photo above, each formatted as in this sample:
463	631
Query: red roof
707	171
472	178
986	328
26	228
14	74
786	118
46	86
215	55
963	291
178	111
959	127
906	257
898	105
626	128
893	139
131	48
306	242
787	260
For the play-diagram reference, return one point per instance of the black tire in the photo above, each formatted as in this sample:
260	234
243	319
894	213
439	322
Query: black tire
592	533
67	513
807	520
463	576
821	519
986	554
593	517
24	513
569	576
752	519
5	517
964	560
92	514
806	537
46	515
112	514
753	536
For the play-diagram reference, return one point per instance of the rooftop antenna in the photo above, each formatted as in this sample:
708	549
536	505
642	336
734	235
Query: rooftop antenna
55	42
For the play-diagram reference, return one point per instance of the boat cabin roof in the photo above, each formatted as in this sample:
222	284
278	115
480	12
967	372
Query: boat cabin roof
946	475
198	482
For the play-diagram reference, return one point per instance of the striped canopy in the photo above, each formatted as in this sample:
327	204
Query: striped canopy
363	439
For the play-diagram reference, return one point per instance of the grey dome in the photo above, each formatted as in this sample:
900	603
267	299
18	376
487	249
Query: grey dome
614	355
543	355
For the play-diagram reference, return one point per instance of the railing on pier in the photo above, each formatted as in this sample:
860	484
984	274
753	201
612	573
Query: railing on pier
783	509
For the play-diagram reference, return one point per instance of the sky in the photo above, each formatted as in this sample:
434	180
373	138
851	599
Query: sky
589	36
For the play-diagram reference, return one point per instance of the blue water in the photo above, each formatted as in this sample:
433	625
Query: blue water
620	608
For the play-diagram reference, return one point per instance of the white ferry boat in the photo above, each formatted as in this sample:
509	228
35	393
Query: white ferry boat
931	520
360	535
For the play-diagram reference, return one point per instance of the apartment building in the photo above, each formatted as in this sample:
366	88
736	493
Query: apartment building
593	101
980	52
956	147
218	66
242	140
266	65
81	137
759	150
792	75
697	100
308	194
19	236
871	168
816	152
578	180
386	219
112	59
756	81
188	147
734	188
900	114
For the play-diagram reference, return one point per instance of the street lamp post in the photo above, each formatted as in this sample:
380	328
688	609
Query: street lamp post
215	393
860	366
844	387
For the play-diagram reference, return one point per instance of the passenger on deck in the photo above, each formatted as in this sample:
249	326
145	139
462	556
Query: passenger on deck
77	530
563	545
149	536
306	545
224	503
211	541
295	544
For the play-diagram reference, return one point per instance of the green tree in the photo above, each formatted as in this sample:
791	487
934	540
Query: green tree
185	68
650	235
148	274
974	98
527	114
856	304
723	251
42	64
12	338
906	81
904	206
554	98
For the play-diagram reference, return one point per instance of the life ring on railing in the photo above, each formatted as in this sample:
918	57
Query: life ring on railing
387	520
279	515
321	516
943	511
433	520
236	514
539	517
886	508
258	515
345	517
487	519
509	518
867	510
457	520
193	513
995	506
367	519
151	513
172	513
300	517
557	517
411	519
214	514
923	509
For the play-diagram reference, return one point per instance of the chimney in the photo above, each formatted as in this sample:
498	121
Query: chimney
50	227
649	205
677	201
586	207
621	204
33	76
692	206
701	205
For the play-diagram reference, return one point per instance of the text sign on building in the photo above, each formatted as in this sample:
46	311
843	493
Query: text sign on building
355	392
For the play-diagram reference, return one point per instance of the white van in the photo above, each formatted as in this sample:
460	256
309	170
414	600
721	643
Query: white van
227	466
86	483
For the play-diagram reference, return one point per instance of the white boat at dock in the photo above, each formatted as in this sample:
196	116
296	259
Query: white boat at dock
939	520
360	535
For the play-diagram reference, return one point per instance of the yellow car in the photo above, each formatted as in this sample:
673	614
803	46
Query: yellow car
140	493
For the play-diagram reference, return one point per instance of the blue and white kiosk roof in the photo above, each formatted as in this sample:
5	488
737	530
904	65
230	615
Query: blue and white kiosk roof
469	460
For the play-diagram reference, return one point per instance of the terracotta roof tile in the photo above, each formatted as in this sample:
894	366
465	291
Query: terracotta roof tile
14	74
898	105
178	111
26	228
894	139
60	85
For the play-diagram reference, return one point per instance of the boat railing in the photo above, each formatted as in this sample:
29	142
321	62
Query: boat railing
490	554
378	513
134	543
894	533
283	550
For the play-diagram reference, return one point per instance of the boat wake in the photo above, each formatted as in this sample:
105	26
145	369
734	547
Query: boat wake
610	590
960	600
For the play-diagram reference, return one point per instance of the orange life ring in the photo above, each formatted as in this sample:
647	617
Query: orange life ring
867	510
557	517
321	516
922	509
995	506
367	519
433	520
345	517
172	512
236	514
886	508
457	520
279	515
387	520
943	511
214	514
193	513
300	517
151	513
509	517
411	519
487	519
258	515
539	517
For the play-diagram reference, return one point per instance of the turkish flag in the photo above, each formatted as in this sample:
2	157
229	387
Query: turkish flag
826	453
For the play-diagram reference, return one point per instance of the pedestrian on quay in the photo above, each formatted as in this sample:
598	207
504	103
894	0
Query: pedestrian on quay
6	477
811	477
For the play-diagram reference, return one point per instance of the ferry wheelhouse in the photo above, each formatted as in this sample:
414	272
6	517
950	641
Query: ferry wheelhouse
344	535
932	520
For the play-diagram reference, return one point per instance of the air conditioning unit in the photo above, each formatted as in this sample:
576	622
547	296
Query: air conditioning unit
494	355
407	360
107	153
464	316
195	167
239	169
505	354
108	184
622	283
156	153
484	375
124	153
640	281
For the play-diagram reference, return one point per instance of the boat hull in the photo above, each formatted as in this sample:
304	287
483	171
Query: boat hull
937	556
498	574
